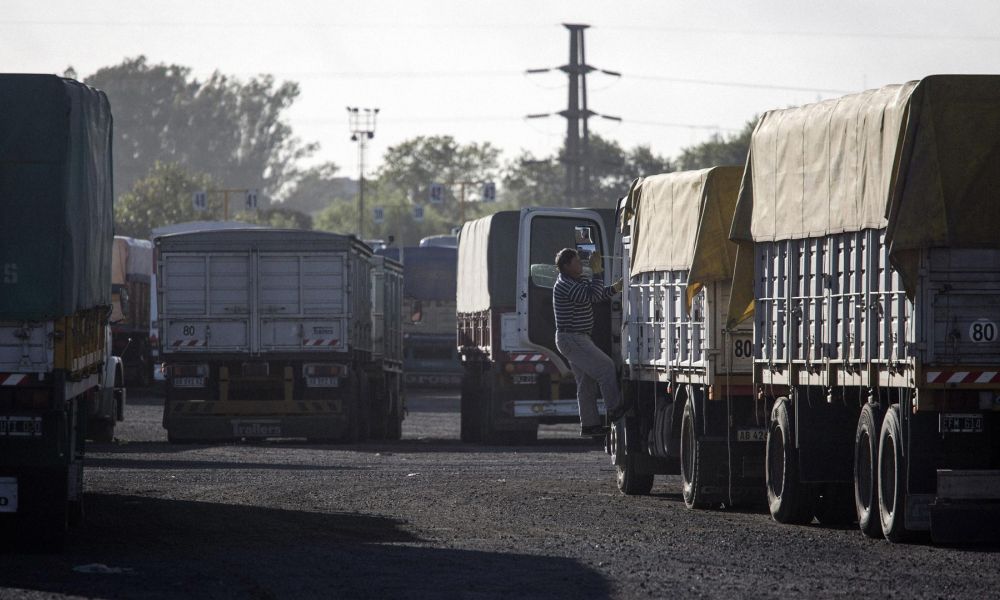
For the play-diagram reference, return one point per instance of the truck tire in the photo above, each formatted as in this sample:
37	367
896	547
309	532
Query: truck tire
788	499
378	415
865	482
892	478
631	481
693	467
394	426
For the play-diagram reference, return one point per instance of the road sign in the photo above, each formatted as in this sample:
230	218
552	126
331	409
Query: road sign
489	192
251	199
378	215
199	200
436	193
418	214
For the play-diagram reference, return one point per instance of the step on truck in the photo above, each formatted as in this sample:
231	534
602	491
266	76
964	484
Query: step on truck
266	333
514	378
869	262
685	374
131	272
56	373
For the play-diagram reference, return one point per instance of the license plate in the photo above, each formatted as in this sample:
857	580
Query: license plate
751	435
189	382
529	378
322	381
8	494
14	426
961	423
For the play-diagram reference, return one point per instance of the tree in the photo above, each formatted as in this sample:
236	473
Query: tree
317	188
232	129
280	217
164	197
719	150
528	181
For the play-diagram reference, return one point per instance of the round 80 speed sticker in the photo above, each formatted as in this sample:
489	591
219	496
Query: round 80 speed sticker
982	331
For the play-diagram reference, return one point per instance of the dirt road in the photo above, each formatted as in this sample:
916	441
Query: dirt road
429	517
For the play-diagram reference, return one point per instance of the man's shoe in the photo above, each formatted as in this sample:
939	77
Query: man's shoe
593	431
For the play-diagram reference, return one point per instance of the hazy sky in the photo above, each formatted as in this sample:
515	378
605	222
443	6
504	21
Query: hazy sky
690	68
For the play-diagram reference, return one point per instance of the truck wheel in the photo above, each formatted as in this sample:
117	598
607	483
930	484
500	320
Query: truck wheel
631	482
394	426
788	499
892	478
378	416
865	484
470	406
692	462
835	506
101	431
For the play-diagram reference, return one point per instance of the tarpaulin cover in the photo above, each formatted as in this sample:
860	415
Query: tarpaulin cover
487	262
131	259
55	197
921	159
430	272
680	221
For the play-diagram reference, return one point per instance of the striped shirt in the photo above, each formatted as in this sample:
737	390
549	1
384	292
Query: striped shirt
573	299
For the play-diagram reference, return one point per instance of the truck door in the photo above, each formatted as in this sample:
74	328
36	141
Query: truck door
543	233
302	301
206	302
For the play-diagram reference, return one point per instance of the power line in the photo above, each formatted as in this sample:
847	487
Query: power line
743	84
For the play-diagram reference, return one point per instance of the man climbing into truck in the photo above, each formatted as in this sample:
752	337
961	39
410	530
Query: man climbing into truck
573	297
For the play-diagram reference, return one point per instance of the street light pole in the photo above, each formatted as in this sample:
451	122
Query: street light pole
362	122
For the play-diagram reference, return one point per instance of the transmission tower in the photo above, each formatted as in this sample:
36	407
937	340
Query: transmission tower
577	156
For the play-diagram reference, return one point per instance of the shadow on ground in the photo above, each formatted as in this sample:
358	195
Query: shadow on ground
160	548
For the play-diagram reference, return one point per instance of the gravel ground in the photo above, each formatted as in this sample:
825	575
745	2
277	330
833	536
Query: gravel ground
430	517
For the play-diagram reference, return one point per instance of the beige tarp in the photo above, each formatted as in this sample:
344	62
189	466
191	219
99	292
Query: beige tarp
680	221
131	257
920	159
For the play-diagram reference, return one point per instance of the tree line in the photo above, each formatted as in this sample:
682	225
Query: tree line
176	134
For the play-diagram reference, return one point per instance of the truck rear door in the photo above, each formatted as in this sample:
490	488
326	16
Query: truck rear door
543	233
302	301
206	302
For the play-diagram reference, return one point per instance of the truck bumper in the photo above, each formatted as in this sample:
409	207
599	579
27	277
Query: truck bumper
967	507
551	408
315	426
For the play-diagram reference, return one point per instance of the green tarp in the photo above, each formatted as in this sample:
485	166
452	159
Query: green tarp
55	197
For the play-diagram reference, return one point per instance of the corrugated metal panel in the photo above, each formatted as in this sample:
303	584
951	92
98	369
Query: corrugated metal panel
962	290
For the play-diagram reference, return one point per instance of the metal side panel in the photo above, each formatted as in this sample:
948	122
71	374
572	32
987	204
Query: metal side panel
732	351
26	347
891	314
961	290
290	334
848	315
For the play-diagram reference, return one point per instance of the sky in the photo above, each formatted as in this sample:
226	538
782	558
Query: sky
689	69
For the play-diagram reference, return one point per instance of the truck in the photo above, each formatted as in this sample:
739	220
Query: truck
869	263
131	271
514	378
686	375
431	358
385	371
266	333
56	371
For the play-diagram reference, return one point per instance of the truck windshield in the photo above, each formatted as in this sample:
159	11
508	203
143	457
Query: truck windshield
549	235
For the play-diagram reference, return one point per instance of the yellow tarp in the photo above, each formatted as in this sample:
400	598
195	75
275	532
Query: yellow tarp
680	221
920	159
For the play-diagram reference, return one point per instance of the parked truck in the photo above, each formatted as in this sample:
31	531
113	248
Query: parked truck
514	377
685	374
385	372
56	373
265	333
131	271
431	358
869	262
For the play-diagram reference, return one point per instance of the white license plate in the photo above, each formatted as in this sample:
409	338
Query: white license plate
751	435
8	494
961	423
189	382
322	382
14	426
529	378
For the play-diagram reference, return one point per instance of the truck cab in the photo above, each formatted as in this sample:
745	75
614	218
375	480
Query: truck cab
514	377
